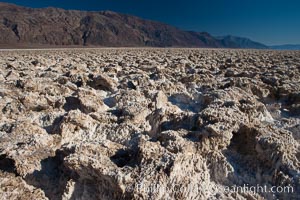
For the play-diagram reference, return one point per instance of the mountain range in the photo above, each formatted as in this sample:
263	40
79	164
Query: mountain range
47	27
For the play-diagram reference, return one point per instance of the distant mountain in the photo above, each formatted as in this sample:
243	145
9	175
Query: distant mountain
239	42
286	47
44	27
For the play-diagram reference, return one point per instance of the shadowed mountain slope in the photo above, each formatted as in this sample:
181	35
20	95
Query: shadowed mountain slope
21	26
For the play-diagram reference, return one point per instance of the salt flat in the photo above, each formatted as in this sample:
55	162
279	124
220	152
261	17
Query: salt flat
148	123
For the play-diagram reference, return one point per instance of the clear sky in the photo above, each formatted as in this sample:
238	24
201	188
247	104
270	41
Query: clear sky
271	22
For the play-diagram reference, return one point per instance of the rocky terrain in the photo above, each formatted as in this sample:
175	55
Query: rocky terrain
148	123
23	27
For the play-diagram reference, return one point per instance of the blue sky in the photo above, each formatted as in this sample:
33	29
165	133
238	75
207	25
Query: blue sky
270	22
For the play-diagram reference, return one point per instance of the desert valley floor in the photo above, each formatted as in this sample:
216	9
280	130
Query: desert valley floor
149	124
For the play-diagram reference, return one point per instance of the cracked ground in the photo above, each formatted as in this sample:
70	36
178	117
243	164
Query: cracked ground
121	123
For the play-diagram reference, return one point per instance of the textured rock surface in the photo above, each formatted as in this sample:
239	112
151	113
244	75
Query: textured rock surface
148	123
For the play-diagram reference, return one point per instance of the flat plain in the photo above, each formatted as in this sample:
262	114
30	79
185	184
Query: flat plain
149	123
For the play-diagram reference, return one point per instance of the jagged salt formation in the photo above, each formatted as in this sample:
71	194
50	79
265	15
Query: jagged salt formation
148	123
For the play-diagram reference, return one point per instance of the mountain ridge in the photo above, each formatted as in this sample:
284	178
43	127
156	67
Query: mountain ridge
23	26
241	42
